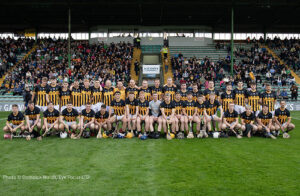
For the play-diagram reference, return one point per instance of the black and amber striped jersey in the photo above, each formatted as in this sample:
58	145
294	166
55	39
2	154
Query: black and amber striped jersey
32	114
168	107
230	117
108	95
248	118
253	100
135	90
269	99
86	95
211	108
158	90
183	95
54	94
76	96
179	105
195	95
101	117
282	115
65	96
227	98
51	116
143	107
171	90
207	91
147	93
15	119
122	91
40	93
190	107
265	118
131	105
200	108
87	116
240	96
96	95
119	107
70	116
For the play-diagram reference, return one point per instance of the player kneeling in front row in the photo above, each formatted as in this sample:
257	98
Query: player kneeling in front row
231	122
14	122
33	120
264	120
247	119
68	120
102	121
283	120
51	120
87	121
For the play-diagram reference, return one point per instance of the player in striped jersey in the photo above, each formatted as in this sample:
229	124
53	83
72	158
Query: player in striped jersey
210	112
121	89
131	111
183	92
87	119
51	120
264	120
167	110
76	95
195	91
179	113
132	88
97	96
158	89
33	119
53	93
40	94
283	120
65	96
170	88
269	98
102	121
191	111
247	120
239	93
227	97
86	93
252	98
68	119
143	113
211	89
231	122
108	93
201	127
118	108
15	121
146	89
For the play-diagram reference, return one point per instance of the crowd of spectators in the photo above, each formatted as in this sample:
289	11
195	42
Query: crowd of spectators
50	59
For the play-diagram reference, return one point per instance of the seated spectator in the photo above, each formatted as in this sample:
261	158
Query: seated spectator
294	91
284	94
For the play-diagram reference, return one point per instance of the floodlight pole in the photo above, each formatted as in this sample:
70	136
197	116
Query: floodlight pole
232	45
69	40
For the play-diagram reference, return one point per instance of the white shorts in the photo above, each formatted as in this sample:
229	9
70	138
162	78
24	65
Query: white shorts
119	117
213	116
132	116
273	113
62	108
70	123
78	109
31	122
42	108
12	125
96	107
239	109
256	113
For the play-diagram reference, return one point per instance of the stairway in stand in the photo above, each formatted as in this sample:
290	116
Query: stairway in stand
136	57
167	62
297	78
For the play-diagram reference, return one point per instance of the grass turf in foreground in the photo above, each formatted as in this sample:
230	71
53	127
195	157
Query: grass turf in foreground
230	166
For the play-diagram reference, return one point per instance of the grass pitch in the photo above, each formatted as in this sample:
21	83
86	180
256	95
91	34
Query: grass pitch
225	166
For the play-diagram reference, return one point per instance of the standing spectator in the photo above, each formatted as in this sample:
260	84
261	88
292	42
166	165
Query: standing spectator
27	95
294	90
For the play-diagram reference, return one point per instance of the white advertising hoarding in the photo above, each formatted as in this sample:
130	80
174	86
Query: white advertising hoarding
151	69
